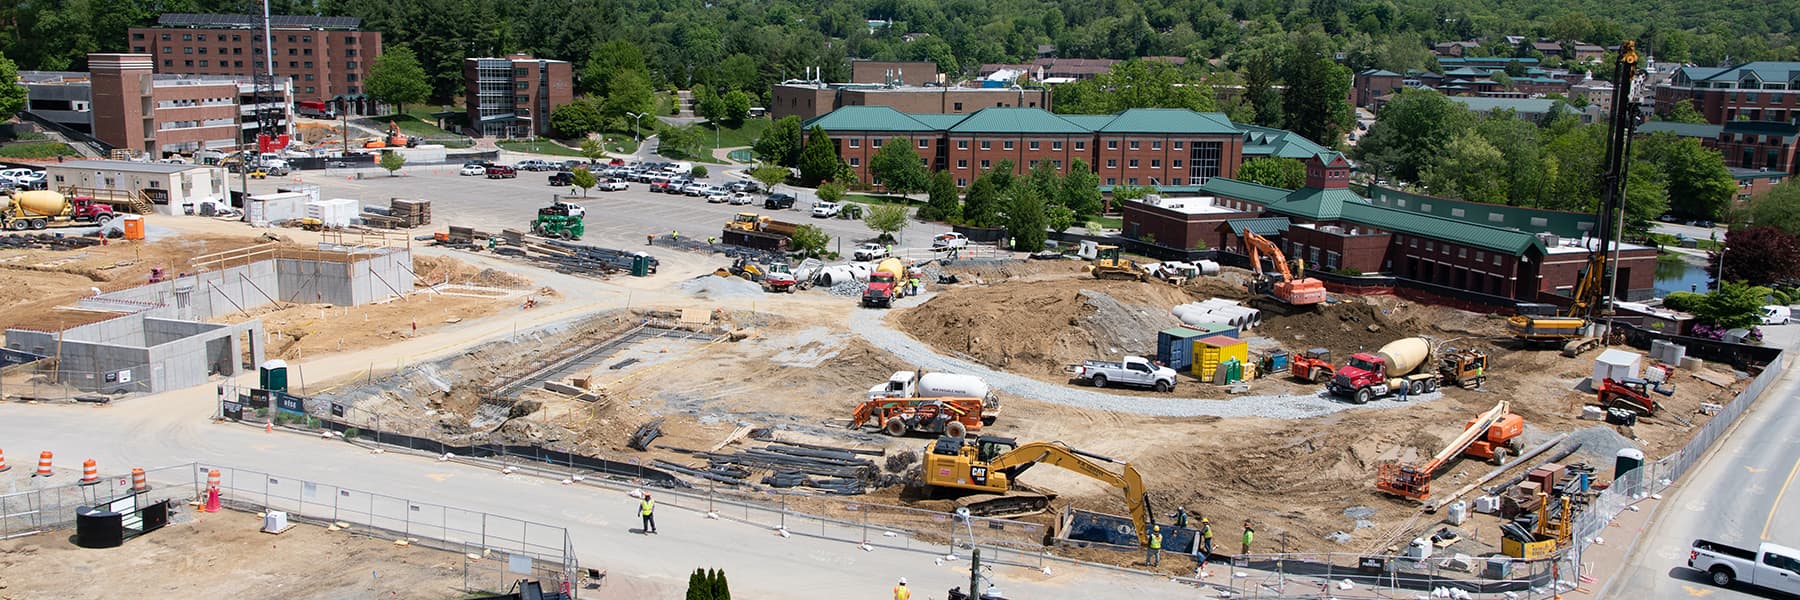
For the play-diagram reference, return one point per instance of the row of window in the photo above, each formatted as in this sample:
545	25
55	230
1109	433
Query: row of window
1030	145
238	64
1432	246
201	37
191	102
168	125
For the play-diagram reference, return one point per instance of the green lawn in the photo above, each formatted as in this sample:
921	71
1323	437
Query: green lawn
1670	240
621	143
1108	222
539	146
875	199
728	137
418	122
36	150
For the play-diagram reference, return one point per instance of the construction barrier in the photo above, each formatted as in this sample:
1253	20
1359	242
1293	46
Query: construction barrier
139	483
90	472
3	467
212	479
43	469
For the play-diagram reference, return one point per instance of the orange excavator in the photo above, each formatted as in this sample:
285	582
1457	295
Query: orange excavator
1493	435
1298	292
395	139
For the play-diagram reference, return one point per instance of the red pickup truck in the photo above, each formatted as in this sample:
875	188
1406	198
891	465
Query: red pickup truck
501	172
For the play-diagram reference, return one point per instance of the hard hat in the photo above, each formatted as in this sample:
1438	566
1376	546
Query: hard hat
1203	520
902	581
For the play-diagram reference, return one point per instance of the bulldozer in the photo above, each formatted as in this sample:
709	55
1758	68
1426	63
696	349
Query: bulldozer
1108	265
742	267
1313	366
990	467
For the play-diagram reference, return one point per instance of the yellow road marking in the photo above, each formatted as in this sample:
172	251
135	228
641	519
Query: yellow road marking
1777	506
1753	469
1696	592
439	477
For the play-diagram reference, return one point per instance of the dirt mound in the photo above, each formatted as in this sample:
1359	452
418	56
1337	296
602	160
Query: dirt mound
440	269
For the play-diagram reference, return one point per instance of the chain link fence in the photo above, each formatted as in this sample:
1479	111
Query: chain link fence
42	381
45	507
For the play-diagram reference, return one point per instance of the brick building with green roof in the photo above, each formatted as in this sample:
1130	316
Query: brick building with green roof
1497	251
1173	149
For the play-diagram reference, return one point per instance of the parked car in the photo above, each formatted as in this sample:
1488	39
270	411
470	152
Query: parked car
719	197
533	165
570	208
37	180
695	189
501	172
870	251
945	241
779	201
1769	566
824	210
745	186
473	169
742	198
1132	370
17	175
661	187
613	185
562	178
1776	315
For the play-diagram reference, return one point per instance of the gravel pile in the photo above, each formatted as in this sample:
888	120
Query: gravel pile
847	289
713	286
869	325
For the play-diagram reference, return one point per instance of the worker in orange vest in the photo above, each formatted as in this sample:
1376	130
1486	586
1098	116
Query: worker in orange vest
901	592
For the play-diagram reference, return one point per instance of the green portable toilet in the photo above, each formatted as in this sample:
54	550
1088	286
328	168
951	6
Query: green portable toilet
273	375
640	265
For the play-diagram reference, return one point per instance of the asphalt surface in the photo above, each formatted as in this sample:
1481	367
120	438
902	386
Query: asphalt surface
617	219
1742	494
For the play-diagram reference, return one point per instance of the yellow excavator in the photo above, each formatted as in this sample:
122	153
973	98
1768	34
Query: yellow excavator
991	467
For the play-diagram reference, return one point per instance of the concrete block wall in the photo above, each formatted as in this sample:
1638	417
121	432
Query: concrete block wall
86	365
162	331
125	330
191	361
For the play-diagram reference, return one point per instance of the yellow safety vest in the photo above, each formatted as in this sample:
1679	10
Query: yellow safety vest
1155	541
902	593
645	508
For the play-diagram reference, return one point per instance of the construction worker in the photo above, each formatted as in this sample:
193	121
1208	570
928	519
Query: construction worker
1249	536
901	592
1400	393
1180	516
1206	536
1153	555
674	235
649	239
647	510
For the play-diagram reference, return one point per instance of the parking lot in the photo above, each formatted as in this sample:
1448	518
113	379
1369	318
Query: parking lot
613	218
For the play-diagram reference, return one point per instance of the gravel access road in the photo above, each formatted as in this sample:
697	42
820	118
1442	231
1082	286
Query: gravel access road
870	324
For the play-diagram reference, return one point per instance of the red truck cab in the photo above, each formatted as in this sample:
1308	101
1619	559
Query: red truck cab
1362	371
84	208
881	291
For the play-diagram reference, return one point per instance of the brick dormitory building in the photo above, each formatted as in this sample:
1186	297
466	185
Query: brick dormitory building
326	58
1492	252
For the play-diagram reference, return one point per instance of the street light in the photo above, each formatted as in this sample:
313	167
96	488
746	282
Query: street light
638	121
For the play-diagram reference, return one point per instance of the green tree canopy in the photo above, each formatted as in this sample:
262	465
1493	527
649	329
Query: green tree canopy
397	78
897	167
582	178
12	95
629	92
981	206
1683	112
576	119
737	106
607	61
819	158
1412	131
1080	191
809	240
886	219
1272	171
1779	207
1734	304
780	143
942	205
1316	102
1135	84
769	175
1026	221
392	161
1471	169
830	191
1699	184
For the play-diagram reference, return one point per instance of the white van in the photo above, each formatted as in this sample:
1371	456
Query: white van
1776	315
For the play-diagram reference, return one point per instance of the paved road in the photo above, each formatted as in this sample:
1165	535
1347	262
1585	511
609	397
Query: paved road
1742	494
614	218
1698	233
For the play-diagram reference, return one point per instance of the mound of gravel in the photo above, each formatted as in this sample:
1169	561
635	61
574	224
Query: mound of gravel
713	286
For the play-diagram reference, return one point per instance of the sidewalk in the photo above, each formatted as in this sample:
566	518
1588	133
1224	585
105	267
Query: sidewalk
1605	560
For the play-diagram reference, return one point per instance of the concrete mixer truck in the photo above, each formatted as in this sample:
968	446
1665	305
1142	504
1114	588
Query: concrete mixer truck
43	208
1406	362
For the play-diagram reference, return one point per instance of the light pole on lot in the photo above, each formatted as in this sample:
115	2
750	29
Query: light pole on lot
638	122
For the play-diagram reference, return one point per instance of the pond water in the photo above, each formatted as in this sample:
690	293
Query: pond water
1681	273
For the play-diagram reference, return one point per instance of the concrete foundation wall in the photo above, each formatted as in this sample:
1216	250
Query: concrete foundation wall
192	360
204	296
162	331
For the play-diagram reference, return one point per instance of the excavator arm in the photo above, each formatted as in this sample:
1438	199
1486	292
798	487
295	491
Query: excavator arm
1259	245
1059	455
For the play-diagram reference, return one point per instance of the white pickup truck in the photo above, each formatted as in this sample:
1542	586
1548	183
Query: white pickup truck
1131	370
1770	566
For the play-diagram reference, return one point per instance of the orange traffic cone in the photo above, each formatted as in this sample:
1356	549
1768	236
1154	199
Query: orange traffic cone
212	500
268	427
3	467
43	469
139	483
90	472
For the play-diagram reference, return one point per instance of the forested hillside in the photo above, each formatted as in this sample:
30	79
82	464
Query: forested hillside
746	44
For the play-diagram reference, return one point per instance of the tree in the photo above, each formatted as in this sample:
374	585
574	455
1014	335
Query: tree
1471	169
769	175
809	240
780	143
1645	198
980	206
679	141
1683	112
392	161
887	219
1080	191
576	119
897	167
737	106
1025	218
819	159
592	149
1779	207
608	61
697	172
1699	184
830	191
708	105
628	92
1734	305
1757	255
1134	84
12	95
1316	102
396	78
1060	218
1284	173
582	178
1411	133
942	203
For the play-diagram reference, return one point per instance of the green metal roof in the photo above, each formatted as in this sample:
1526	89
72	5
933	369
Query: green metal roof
1742	174
1264	141
938	122
1169	120
1263	226
1528	220
1379	73
867	118
1243	190
1318	204
1766	71
1787	131
1466	72
1449	230
1089	122
1520	105
1015	120
1693	130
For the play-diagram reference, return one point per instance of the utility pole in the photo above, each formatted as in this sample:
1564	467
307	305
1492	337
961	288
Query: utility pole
974	570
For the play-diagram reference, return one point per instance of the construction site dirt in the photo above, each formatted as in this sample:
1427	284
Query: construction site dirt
223	555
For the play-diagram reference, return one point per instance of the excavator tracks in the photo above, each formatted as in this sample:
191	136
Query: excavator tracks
1015	504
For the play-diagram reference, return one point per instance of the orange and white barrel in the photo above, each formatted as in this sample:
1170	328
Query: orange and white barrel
43	469
139	482
90	472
